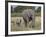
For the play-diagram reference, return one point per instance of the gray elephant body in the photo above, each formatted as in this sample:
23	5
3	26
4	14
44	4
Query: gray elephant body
28	15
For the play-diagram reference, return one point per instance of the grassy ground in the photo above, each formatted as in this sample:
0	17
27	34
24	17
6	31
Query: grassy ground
37	22
15	27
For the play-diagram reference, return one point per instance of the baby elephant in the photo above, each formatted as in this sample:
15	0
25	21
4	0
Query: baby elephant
28	15
18	22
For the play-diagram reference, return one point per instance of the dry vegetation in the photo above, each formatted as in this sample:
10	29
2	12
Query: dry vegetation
21	26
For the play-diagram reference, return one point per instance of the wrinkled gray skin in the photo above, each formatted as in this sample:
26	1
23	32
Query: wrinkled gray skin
28	15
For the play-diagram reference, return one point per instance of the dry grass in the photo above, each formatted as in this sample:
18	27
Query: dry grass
15	27
37	23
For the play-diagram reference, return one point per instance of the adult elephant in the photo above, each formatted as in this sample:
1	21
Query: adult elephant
28	15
